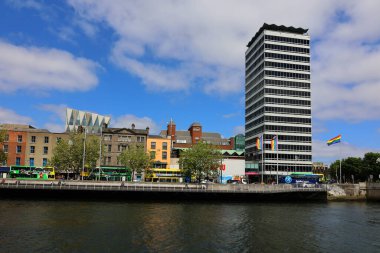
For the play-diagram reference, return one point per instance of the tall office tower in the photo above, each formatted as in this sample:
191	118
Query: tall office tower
278	102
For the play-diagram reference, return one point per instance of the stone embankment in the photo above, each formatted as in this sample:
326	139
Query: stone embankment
354	192
159	191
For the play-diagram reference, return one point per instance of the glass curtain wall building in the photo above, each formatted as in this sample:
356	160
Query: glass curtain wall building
278	101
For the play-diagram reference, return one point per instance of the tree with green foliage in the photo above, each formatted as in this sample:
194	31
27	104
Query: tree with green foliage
360	169
202	160
371	164
68	154
3	155
136	159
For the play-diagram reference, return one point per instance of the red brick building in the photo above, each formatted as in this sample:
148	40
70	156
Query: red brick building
194	134
14	144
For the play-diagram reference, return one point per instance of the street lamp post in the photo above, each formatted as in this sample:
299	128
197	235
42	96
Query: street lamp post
84	151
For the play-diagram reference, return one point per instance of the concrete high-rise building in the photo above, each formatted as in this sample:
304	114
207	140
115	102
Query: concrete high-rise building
278	101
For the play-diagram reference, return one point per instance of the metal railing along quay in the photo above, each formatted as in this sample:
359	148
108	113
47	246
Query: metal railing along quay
157	187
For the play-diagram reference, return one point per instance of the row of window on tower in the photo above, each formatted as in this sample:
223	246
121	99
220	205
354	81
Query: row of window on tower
281	74
284	101
287	40
276	128
281	65
279	110
256	156
277	92
291	93
275	47
255	88
288	57
255	47
255	64
254	72
254	80
277	83
288	120
288	84
281	138
287	168
258	53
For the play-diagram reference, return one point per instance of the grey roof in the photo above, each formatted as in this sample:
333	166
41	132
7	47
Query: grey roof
195	124
156	136
118	130
211	135
183	133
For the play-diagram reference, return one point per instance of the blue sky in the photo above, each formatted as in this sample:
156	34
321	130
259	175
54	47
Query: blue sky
146	62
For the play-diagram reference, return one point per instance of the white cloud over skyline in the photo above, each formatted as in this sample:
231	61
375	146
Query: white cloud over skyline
44	69
11	117
140	123
183	42
329	154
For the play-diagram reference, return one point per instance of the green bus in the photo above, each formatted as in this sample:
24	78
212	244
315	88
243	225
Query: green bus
110	174
32	172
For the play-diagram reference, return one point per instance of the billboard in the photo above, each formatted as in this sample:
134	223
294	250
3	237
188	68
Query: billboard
92	122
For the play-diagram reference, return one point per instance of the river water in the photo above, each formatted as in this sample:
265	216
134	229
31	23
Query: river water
80	226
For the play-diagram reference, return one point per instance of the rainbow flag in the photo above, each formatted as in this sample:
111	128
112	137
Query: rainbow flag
334	140
259	143
274	143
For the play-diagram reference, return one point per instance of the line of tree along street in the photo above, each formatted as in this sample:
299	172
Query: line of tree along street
355	169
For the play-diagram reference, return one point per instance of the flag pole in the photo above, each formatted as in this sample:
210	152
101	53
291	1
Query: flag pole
262	158
340	165
277	156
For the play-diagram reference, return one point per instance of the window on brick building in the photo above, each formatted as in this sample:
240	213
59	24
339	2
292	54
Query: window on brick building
164	146
164	155
153	145
18	149
18	160
46	150
19	138
5	148
107	137
33	139
32	149
46	139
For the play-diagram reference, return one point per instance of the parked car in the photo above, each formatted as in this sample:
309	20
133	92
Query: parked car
308	185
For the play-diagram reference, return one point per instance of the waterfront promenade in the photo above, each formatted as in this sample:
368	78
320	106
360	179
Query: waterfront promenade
159	191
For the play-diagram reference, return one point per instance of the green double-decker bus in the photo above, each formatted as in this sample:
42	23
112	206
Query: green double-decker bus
32	172
110	174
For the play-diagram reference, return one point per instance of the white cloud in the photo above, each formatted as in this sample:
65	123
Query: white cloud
238	130
140	123
176	45
55	128
25	4
58	111
11	117
231	115
188	44
43	69
56	121
328	154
